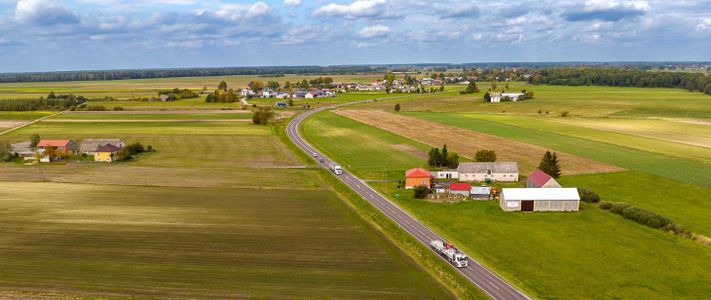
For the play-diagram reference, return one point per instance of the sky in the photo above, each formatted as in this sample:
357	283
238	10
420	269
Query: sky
49	35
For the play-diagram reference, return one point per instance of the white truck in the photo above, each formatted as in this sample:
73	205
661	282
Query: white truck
336	169
447	250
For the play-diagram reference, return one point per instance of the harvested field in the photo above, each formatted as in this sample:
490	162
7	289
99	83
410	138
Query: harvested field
10	124
466	142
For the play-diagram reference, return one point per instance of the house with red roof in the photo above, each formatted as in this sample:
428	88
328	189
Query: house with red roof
539	179
417	177
460	188
65	147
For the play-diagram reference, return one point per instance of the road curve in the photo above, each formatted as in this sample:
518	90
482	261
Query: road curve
487	281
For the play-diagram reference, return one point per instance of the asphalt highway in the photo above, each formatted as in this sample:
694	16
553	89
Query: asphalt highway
487	281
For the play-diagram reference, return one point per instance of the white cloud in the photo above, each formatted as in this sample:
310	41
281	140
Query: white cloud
357	9
704	25
292	2
374	31
44	13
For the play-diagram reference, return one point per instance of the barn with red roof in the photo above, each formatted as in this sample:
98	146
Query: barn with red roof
539	179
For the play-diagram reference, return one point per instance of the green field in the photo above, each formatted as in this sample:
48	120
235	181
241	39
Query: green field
547	254
141	242
579	142
124	89
685	203
154	116
586	101
23	115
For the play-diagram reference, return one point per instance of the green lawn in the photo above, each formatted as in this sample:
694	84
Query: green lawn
589	254
23	115
153	116
141	242
528	131
686	204
162	128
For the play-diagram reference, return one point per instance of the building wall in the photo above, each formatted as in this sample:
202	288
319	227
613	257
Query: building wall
541	205
503	177
447	174
102	156
463	193
413	182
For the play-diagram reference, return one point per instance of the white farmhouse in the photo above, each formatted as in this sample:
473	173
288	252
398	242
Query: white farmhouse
488	171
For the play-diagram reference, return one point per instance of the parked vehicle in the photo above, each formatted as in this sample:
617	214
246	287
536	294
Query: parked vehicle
447	250
315	154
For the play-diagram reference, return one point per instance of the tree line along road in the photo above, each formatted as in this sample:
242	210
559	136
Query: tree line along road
486	280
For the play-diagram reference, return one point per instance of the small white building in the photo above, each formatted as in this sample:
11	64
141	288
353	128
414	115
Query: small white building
447	174
497	97
488	171
549	199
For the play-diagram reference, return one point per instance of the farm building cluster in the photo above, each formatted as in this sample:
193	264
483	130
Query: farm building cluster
542	192
102	150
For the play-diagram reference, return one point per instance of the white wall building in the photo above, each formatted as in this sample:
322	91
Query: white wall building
549	199
488	171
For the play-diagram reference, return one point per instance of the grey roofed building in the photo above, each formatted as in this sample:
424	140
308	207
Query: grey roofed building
484	167
89	146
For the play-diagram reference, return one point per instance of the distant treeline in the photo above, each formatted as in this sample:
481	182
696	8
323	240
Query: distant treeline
189	72
622	77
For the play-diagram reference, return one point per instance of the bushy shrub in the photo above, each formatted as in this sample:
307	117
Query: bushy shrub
645	217
135	148
421	192
588	196
95	108
118	108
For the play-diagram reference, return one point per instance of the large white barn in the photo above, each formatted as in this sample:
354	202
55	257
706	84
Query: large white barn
549	199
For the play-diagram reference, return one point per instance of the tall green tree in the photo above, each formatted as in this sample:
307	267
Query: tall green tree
549	164
5	151
434	157
34	140
485	155
397	107
471	88
222	86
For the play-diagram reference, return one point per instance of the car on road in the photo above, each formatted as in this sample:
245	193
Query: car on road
315	154
321	160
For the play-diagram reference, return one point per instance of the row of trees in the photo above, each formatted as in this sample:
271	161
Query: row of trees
443	158
222	94
622	77
60	102
177	94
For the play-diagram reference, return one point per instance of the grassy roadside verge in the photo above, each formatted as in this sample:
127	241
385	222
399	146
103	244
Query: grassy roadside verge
460	287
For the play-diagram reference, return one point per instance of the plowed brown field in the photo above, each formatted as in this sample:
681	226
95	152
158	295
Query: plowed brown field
467	142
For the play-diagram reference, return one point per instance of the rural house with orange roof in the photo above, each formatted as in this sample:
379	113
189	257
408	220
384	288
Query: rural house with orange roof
417	177
65	147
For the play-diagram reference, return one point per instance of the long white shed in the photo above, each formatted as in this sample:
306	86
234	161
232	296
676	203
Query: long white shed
531	199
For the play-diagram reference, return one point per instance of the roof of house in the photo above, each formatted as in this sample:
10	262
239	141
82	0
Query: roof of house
417	173
539	178
553	194
53	143
483	167
21	147
460	186
481	190
108	148
89	145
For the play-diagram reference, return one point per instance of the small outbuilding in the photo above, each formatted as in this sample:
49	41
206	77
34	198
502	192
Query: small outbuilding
88	146
447	174
23	150
539	179
536	199
460	188
480	192
417	177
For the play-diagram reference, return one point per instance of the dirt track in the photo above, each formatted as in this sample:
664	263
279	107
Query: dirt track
467	142
158	112
4	124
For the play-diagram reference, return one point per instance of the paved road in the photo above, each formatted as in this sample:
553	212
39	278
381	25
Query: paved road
486	280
